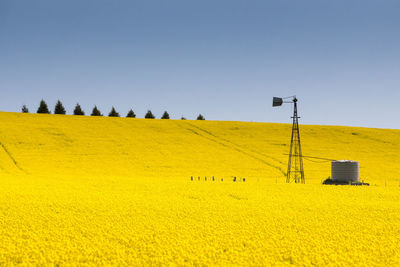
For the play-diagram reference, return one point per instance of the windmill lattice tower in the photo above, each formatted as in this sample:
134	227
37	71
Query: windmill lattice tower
295	170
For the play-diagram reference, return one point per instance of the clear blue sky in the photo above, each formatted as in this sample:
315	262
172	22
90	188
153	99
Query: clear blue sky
225	59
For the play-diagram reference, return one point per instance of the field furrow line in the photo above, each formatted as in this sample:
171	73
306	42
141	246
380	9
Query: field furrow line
215	139
10	156
239	146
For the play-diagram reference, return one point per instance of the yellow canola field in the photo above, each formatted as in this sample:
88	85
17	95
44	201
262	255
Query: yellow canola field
99	191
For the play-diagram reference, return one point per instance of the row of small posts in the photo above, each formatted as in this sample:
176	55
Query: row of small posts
235	179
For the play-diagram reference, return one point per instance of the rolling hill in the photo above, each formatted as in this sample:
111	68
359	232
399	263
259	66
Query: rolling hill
39	144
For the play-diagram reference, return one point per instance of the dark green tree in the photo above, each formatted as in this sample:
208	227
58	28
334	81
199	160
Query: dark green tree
24	109
43	108
149	115
78	110
59	108
113	113
200	117
96	112
165	116
183	118
131	114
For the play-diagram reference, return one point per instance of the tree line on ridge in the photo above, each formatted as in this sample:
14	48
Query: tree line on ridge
59	109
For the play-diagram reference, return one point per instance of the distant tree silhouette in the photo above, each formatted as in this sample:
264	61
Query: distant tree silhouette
78	110
96	112
59	108
131	114
43	108
113	113
24	109
183	118
149	115
165	116
200	117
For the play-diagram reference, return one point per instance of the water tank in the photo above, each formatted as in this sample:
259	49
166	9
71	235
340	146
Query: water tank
345	171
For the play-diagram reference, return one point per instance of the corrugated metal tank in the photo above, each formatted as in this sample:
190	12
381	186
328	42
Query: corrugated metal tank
345	171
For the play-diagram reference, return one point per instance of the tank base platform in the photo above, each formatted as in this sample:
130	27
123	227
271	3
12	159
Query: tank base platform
332	182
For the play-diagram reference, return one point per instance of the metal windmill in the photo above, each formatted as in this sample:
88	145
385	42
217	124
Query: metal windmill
295	171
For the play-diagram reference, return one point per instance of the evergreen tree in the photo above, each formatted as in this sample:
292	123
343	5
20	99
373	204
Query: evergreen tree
149	115
43	108
78	110
25	109
96	112
131	114
200	117
165	116
113	113
59	108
